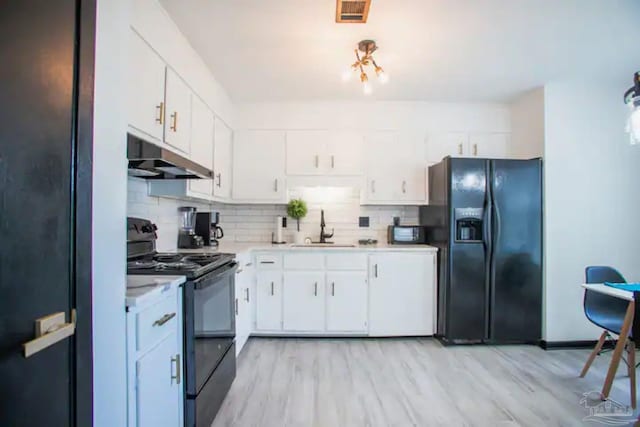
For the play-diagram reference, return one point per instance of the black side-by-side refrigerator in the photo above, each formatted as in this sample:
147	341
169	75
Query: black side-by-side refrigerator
485	216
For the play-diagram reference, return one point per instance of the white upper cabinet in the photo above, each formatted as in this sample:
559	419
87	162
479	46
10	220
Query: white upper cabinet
306	152
345	153
258	166
443	144
396	169
319	152
177	123
222	157
146	108
202	120
489	145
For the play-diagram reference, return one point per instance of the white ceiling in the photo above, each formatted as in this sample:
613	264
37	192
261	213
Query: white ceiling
444	50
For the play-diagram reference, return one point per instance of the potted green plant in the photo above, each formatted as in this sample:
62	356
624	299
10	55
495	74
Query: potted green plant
297	209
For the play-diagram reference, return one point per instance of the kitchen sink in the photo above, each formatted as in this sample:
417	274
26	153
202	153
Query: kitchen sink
322	245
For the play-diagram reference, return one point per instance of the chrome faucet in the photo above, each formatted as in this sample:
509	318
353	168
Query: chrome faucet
323	235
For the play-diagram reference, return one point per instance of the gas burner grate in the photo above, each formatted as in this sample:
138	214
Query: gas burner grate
180	265
146	264
168	258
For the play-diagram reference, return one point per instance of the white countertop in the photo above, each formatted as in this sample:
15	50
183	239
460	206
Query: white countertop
608	290
142	288
239	248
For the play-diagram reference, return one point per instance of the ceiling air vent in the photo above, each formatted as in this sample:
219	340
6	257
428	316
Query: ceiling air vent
352	11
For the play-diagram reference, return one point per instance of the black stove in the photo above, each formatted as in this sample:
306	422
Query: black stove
191	265
208	316
142	257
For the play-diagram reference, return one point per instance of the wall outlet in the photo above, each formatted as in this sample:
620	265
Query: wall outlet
363	221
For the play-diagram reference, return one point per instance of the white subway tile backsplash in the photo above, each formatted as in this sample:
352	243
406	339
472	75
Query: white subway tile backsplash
255	223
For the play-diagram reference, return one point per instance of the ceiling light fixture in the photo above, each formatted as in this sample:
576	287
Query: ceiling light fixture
632	99
367	47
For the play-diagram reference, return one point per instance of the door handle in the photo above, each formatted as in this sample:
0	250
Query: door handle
375	270
160	108
315	289
247	297
333	289
333	161
475	149
174	126
164	319
275	186
176	360
219	176
373	185
460	149
236	306
50	330
271	288
404	186
317	161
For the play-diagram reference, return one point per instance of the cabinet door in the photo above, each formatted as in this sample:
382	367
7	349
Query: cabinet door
345	153
306	152
146	88
258	166
401	294
158	393
411	162
303	303
383	177
222	160
443	144
488	145
269	300
347	301
201	145
177	126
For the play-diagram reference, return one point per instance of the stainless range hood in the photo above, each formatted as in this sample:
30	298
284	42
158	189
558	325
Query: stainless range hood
149	161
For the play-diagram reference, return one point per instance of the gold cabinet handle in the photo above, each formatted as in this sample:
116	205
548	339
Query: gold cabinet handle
160	108
174	126
176	360
475	149
48	331
460	149
164	319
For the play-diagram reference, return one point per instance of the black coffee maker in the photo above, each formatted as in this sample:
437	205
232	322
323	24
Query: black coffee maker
207	227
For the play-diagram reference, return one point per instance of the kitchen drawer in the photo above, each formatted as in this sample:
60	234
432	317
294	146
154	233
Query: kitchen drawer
156	322
347	261
268	261
304	261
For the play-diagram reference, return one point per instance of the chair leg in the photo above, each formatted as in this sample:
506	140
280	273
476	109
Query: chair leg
617	352
631	357
593	354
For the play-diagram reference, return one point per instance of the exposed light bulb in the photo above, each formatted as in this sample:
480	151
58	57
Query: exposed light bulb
633	124
384	77
366	88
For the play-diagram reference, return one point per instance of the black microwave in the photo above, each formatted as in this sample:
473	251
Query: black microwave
406	235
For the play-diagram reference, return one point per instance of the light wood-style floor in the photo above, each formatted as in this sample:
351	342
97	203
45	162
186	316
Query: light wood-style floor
410	382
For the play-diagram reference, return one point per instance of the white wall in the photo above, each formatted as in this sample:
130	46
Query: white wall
527	125
154	24
109	212
591	197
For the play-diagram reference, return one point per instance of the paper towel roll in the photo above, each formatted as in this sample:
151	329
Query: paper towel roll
279	238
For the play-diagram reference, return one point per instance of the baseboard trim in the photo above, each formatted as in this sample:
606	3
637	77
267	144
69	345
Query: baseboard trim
560	345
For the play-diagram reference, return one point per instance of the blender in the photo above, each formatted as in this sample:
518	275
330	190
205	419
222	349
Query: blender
187	237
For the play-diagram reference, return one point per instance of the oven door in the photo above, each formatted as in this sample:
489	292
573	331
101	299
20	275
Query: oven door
210	324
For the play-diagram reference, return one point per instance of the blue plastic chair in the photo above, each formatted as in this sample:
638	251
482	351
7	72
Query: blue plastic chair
608	312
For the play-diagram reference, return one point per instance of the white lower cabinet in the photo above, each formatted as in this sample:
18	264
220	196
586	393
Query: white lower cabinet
155	372
157	395
269	300
303	301
401	294
243	302
346	301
